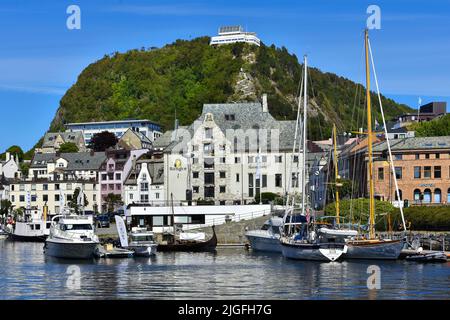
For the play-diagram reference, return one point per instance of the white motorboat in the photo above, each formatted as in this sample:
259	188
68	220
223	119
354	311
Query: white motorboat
268	237
141	241
71	237
34	227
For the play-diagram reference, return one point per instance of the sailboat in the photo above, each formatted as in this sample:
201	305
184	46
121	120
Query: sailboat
300	240
373	247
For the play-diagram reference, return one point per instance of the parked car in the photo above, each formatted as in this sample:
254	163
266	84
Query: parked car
102	221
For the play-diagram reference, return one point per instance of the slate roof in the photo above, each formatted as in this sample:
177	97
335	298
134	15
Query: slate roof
417	143
244	116
76	161
50	137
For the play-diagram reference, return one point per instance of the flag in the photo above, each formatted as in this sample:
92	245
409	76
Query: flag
420	101
80	199
62	200
28	200
258	166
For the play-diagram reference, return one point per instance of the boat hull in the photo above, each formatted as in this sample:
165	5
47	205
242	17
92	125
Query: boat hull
266	244
70	250
21	238
191	246
385	250
143	251
315	252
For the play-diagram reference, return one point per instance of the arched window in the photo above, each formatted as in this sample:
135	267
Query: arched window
401	195
427	196
437	195
417	195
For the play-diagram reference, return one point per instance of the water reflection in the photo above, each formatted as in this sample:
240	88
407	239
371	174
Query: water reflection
226	274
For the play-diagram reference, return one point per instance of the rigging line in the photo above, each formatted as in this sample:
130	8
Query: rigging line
387	138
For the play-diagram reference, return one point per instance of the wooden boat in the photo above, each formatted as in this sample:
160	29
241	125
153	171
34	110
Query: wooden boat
373	248
189	245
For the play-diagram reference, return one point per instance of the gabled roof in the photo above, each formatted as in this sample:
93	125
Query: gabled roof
76	161
50	137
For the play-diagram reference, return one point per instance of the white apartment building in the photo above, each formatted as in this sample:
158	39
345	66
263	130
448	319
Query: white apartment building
233	34
231	154
148	128
54	194
145	183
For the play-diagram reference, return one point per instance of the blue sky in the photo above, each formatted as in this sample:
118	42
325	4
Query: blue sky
40	58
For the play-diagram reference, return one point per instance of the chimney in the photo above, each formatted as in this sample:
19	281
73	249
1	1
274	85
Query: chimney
133	162
8	156
265	108
17	159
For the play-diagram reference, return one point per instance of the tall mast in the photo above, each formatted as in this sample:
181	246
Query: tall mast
305	105
336	174
369	143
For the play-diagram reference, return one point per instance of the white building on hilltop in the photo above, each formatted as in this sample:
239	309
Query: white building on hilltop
233	34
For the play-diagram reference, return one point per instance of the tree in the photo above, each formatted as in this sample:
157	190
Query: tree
74	202
68	147
112	200
5	208
102	141
24	168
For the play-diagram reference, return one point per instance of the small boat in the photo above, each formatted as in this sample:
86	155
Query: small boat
3	234
268	237
33	228
71	237
428	257
189	245
108	251
141	241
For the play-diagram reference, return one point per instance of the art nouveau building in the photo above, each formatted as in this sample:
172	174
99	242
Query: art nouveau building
231	154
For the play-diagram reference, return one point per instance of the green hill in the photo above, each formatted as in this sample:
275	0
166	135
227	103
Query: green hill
184	75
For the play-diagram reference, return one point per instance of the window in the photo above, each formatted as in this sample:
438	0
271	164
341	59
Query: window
208	148
398	156
237	177
294	180
144	186
209	163
195	174
278	180
196	189
33	198
223	174
104	187
45	197
380	173
437	155
295	159
250	185
427	172
33	187
22	198
222	160
401	195
417	195
194	160
22	187
427	156
208	133
437	172
251	159
111	187
195	147
57	186
45	187
222	189
278	159
158	221
398	172
237	160
144	198
427	196
417	172
118	176
13	198
118	186
437	195
104	176
131	196
417	156
209	192
56	197
264	181
209	178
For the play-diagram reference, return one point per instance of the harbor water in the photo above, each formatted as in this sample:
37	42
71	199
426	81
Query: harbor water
230	273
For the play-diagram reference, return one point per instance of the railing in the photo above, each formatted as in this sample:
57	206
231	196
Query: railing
230	218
